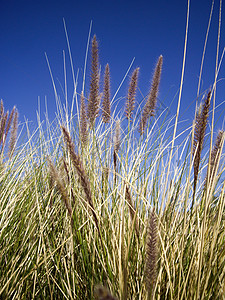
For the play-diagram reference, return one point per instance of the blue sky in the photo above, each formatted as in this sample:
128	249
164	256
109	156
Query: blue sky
124	29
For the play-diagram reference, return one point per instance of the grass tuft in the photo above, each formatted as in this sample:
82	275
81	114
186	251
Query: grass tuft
101	207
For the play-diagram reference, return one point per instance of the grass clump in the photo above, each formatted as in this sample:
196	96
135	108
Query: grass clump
98	208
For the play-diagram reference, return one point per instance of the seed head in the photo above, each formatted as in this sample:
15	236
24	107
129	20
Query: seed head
83	120
106	110
132	93
150	106
93	104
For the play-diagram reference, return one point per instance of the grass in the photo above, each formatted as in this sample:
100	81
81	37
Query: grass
91	211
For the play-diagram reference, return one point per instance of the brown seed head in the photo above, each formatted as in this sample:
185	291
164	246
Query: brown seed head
93	104
131	94
9	121
106	110
215	155
150	106
199	135
13	134
151	252
83	121
81	173
55	177
2	127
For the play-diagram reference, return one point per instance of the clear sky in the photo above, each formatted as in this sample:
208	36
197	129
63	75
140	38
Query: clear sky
125	29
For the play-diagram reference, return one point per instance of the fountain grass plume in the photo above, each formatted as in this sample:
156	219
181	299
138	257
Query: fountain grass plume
94	97
151	254
106	109
13	134
131	94
199	136
81	173
150	105
56	177
2	128
215	157
83	121
7	121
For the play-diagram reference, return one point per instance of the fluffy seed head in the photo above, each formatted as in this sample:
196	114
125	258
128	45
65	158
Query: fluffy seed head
106	109
199	135
215	155
13	134
83	120
151	252
93	101
131	94
77	162
55	177
150	106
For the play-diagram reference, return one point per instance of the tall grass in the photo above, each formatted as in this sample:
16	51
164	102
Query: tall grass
98	207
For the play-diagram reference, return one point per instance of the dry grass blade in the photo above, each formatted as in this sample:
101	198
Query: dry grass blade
150	106
131	94
106	109
93	104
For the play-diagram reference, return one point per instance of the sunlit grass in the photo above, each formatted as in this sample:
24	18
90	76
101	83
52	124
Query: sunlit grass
112	215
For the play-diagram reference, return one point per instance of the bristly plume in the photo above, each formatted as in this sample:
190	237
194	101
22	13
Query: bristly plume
13	134
151	253
215	156
6	120
199	135
106	109
1	109
131	94
83	121
150	106
81	173
93	101
9	121
117	138
2	127
55	176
